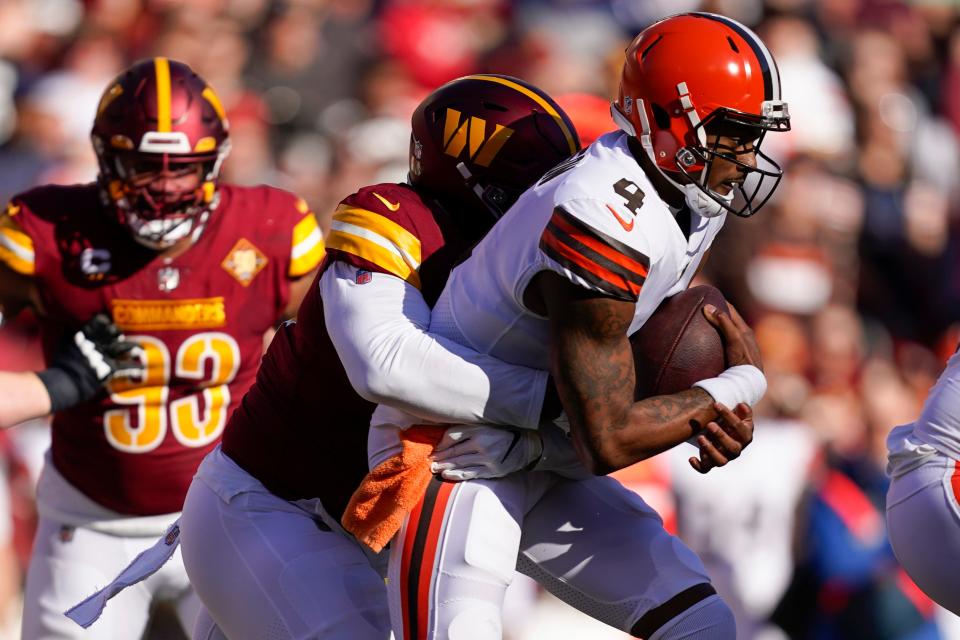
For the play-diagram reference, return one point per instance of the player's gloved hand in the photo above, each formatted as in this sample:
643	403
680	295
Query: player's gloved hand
86	360
467	452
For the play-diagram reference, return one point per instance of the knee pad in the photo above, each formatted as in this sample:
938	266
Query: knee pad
697	613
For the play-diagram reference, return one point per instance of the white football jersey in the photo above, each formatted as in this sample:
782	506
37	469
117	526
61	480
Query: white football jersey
938	425
597	221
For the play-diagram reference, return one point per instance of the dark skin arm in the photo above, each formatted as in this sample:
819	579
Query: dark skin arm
592	365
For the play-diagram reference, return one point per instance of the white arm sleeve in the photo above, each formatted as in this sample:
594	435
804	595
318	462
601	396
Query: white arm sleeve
380	331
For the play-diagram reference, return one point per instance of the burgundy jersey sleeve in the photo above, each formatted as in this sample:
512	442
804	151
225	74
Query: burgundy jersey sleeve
17	249
300	243
380	228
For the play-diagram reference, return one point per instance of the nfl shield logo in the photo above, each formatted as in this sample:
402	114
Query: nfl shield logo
363	277
168	279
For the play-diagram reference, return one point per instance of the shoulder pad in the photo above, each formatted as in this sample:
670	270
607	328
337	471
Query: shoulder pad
16	246
292	218
378	224
589	256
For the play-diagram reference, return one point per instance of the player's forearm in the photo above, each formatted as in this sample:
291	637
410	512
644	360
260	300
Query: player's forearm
609	430
592	364
380	331
22	397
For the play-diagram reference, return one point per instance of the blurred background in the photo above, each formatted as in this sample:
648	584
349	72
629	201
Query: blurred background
849	276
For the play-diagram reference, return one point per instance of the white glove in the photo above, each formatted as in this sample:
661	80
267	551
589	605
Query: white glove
467	452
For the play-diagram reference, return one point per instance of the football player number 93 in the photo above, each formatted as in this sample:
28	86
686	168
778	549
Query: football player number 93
196	419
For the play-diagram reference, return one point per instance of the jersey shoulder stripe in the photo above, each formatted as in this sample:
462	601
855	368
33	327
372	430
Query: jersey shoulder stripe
377	239
604	262
16	247
307	244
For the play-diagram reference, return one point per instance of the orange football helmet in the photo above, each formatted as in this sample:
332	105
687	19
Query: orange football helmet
696	74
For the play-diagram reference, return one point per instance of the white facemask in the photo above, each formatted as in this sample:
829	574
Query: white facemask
158	234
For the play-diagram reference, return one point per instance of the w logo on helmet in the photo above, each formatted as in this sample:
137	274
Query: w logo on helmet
482	149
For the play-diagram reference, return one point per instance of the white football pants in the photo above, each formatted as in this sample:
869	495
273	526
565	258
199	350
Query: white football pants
80	546
69	563
269	569
592	543
923	521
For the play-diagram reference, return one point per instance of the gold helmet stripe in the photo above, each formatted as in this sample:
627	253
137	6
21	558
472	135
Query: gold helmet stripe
162	68
536	98
214	101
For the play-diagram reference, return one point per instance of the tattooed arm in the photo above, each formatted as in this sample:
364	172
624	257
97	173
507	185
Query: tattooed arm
592	365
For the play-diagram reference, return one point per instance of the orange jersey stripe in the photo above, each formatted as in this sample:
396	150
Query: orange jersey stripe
606	251
429	558
613	279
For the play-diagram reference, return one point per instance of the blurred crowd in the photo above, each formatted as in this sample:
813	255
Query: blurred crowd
849	275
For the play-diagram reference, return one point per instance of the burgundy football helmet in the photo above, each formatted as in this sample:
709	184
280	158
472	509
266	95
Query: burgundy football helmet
479	141
160	136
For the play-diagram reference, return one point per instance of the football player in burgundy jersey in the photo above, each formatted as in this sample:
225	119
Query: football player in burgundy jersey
260	531
193	271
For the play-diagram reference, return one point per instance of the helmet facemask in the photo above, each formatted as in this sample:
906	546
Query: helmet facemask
161	198
756	181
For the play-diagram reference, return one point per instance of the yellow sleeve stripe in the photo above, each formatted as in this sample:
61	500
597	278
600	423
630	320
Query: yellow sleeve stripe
382	230
304	229
308	261
16	248
388	259
377	239
308	249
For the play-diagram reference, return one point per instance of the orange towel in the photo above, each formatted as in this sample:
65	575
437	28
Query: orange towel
391	490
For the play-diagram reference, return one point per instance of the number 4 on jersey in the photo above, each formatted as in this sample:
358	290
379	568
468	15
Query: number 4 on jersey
630	192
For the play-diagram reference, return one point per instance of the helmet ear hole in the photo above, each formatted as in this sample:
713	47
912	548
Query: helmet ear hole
660	116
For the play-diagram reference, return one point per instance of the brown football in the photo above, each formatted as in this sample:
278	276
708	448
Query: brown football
677	346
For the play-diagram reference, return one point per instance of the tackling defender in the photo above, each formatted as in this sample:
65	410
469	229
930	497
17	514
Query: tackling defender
261	537
192	270
578	264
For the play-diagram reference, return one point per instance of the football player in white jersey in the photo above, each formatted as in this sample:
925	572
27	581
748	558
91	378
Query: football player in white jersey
923	500
577	265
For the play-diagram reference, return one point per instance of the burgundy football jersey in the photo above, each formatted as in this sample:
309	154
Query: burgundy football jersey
200	318
302	429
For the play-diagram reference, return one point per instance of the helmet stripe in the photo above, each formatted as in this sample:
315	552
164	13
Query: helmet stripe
161	68
768	66
214	101
549	108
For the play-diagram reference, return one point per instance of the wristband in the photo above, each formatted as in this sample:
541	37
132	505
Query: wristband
743	383
61	387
